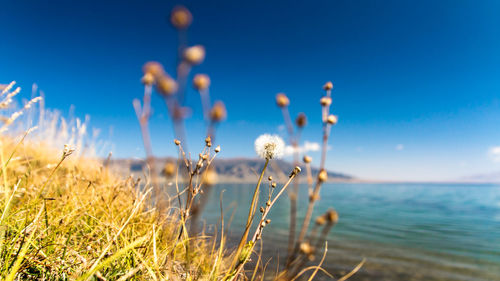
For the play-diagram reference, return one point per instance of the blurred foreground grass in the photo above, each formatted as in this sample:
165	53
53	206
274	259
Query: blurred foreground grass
78	221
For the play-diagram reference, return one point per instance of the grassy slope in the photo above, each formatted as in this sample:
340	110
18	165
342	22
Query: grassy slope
86	221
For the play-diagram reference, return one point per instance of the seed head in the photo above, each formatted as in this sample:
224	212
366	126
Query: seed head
301	120
307	159
332	119
154	68
325	101
201	82
321	220
282	100
211	177
177	142
217	149
269	146
295	171
270	178
328	86
169	169
218	112
166	85
148	79
332	216
323	175
268	221
180	17
208	141
194	55
68	150
306	248
273	184
261	209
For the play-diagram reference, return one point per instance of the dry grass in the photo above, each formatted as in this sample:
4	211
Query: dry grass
83	221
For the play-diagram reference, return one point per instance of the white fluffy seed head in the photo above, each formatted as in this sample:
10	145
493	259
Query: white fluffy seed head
269	146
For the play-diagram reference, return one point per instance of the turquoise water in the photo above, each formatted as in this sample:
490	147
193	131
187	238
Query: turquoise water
405	231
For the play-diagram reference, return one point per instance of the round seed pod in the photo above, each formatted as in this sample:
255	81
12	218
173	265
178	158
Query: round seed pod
282	100
321	220
332	216
169	169
323	175
148	79
328	86
194	55
325	101
166	86
332	119
211	177
154	68
218	112
307	159
301	120
201	82
181	17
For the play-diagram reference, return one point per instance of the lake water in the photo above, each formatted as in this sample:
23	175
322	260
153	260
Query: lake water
405	231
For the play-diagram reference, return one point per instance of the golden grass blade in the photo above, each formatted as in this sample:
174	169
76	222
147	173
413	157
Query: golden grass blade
356	269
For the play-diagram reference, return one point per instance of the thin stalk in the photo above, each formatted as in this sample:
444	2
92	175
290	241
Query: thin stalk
250	217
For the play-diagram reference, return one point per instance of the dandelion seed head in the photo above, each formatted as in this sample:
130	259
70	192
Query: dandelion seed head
269	146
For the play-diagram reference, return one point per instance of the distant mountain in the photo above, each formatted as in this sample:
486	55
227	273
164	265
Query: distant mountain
483	178
234	170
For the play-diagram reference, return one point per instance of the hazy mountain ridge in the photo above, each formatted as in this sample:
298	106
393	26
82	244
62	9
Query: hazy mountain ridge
229	169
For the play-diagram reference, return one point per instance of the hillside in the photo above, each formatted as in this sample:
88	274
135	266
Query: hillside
234	170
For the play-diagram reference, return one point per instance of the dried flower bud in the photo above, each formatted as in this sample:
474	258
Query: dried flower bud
201	82
295	171
282	100
166	85
194	55
217	149
208	140
323	176
169	169
218	112
332	216
261	209
148	79
180	17
270	178
268	221
268	203
306	248
332	119
273	184
325	101
177	142
321	220
211	177
154	68
314	197
307	159
328	86
301	120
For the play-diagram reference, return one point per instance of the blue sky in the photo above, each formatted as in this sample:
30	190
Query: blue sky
416	82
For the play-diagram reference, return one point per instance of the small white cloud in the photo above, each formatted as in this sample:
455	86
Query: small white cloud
306	147
399	147
494	153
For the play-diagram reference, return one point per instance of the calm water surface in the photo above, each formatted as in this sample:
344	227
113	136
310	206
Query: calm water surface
405	231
